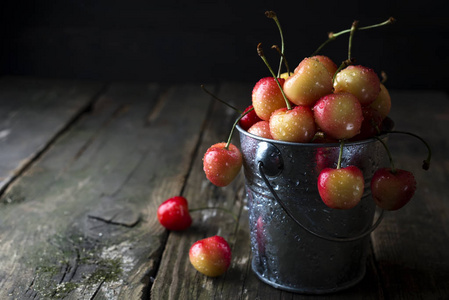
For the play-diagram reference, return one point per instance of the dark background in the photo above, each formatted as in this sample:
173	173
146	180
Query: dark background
205	41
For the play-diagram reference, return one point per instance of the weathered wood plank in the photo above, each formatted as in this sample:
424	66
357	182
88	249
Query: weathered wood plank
63	238
32	113
410	247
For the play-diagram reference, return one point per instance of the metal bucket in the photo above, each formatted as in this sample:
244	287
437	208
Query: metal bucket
298	243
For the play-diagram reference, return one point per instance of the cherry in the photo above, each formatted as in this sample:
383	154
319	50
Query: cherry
211	256
174	214
310	81
339	115
392	189
267	97
360	81
341	188
222	163
383	102
327	63
294	125
262	129
249	119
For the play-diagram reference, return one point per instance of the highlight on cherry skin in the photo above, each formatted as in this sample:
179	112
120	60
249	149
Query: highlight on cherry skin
211	256
221	165
174	214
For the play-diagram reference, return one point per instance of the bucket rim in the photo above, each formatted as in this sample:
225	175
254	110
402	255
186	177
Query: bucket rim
388	126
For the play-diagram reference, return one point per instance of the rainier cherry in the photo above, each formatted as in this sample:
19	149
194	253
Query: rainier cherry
328	63
267	97
339	115
293	125
211	256
173	214
360	81
391	190
310	82
222	163
341	188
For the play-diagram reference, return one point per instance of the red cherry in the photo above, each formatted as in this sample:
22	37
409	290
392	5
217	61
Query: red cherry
339	115
392	190
211	256
341	188
267	97
222	165
249	119
173	214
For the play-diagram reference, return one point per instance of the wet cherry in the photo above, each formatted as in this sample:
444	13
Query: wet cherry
341	188
211	256
310	82
222	164
339	115
267	97
293	125
360	81
174	214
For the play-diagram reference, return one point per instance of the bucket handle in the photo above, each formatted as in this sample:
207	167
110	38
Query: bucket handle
328	238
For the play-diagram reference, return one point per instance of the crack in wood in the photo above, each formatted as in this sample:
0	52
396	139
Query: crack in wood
112	222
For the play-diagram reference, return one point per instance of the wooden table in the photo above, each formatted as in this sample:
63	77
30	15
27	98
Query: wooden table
84	167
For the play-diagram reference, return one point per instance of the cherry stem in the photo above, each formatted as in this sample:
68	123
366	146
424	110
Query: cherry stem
222	101
392	167
272	15
354	26
235	124
340	154
285	59
261	54
217	208
426	162
332	36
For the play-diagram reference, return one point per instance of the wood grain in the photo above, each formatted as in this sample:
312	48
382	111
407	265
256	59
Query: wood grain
79	220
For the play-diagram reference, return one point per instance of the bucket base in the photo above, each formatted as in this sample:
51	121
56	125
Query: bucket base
306	290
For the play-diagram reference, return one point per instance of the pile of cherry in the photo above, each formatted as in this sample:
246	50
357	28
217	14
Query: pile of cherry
318	102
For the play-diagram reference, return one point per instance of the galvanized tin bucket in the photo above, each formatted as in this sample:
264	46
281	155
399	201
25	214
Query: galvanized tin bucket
298	243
